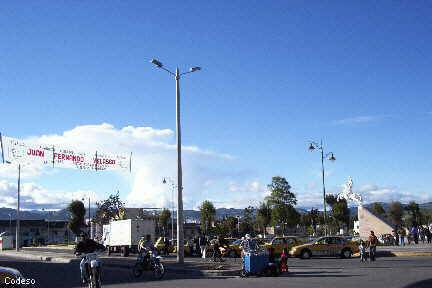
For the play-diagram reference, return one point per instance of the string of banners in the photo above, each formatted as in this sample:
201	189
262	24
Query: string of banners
24	153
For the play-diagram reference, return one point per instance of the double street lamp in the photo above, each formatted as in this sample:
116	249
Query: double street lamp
329	156
180	236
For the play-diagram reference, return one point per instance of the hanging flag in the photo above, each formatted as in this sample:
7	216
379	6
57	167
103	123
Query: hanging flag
26	153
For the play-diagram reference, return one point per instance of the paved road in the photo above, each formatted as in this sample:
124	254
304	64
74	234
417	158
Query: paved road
395	272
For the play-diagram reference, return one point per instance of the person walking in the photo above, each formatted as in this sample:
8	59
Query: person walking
166	246
414	232
373	242
402	234
202	242
362	249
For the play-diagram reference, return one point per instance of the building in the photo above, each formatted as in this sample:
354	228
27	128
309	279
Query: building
39	232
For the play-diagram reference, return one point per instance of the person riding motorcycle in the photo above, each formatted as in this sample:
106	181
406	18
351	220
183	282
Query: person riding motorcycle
146	247
86	246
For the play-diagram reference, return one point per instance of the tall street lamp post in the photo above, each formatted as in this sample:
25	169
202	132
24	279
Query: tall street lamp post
330	156
180	236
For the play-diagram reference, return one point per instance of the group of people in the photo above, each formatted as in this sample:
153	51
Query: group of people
415	234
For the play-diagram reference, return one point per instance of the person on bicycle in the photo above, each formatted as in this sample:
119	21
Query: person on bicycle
86	246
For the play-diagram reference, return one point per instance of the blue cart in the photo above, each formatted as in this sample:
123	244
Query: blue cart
257	264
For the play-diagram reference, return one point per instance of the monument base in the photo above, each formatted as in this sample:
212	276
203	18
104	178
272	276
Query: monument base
370	222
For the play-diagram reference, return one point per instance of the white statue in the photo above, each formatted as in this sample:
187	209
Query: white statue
348	194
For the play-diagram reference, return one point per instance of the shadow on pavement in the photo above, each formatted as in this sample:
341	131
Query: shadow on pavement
67	275
421	284
317	274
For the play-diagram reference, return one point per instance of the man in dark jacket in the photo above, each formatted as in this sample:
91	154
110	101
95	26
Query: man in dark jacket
373	242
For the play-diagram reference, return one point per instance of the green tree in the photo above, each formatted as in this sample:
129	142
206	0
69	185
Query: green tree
282	201
339	211
207	215
77	211
264	213
226	227
111	208
396	213
414	210
378	209
247	222
164	218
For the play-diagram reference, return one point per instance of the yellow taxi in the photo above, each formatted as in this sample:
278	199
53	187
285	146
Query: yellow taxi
160	246
187	247
234	249
280	242
328	246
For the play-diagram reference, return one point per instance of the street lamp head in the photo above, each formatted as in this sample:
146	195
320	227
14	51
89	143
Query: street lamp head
156	62
311	147
332	157
193	69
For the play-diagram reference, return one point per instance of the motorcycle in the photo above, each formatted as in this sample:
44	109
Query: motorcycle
148	261
93	269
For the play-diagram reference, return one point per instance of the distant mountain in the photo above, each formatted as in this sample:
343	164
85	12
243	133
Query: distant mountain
37	214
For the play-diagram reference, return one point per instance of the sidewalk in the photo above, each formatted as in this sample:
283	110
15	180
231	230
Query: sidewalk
192	266
408	250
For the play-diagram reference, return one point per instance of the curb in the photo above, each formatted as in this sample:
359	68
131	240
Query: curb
36	257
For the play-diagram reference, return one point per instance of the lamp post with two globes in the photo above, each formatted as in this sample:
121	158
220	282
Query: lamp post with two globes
330	156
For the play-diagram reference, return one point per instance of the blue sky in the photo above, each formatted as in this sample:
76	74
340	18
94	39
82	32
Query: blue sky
275	75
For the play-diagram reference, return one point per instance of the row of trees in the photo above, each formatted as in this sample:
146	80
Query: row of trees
278	209
403	215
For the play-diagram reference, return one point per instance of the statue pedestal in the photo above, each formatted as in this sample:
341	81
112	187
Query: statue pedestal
370	222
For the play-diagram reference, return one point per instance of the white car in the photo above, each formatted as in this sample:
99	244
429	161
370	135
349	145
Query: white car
10	276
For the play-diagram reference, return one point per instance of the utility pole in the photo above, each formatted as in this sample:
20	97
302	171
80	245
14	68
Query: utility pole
17	238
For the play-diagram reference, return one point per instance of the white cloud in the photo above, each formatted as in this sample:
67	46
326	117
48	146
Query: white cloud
240	194
374	193
359	120
34	196
154	157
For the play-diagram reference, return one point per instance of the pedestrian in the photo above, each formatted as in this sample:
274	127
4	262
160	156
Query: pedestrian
202	242
428	236
373	242
402	236
395	237
166	245
283	262
422	234
414	232
362	248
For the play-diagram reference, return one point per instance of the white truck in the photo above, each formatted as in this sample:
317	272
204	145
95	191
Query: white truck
123	235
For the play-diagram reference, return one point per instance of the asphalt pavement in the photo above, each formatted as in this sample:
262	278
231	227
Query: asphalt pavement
394	272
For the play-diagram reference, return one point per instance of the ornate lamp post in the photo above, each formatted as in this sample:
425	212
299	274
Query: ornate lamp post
329	156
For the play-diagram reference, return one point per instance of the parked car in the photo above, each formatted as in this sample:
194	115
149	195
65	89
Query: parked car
234	249
280	242
187	247
333	246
